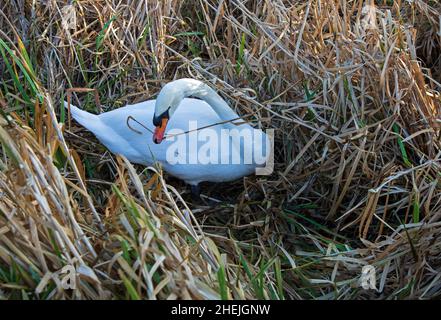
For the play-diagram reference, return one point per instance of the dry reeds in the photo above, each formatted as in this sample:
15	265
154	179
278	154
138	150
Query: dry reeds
351	87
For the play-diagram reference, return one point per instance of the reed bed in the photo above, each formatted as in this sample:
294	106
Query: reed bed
351	87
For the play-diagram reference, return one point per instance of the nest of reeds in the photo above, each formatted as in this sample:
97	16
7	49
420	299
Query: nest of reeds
351	88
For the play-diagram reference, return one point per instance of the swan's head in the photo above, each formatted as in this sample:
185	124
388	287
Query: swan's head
168	101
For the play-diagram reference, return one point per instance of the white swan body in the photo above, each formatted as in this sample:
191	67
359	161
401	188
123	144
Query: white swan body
137	145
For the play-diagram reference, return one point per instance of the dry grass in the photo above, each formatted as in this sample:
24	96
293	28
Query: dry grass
351	87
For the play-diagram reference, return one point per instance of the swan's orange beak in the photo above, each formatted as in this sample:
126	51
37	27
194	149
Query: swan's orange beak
158	135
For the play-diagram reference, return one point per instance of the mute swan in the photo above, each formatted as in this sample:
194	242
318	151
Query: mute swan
142	140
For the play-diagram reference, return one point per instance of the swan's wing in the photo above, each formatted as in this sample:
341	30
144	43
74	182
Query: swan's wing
130	133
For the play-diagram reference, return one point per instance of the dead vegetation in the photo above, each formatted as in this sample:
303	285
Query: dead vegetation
351	87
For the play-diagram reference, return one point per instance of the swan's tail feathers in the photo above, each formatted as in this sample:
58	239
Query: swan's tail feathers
88	120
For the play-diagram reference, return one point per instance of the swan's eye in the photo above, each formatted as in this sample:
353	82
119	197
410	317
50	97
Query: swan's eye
157	120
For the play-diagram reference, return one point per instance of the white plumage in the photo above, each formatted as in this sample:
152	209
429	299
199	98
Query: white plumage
112	130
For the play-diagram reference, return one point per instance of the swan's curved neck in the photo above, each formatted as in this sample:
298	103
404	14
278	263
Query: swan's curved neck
215	101
190	87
